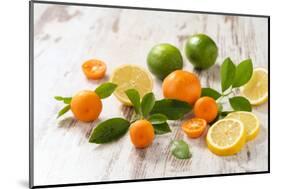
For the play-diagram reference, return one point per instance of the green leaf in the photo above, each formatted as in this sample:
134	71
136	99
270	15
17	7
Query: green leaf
134	97
211	93
239	103
227	74
147	104
105	89
171	108
66	100
157	118
162	128
243	73
109	130
64	110
59	98
180	149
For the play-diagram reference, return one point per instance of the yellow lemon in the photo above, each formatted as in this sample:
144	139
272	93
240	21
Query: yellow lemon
226	137
250	121
131	77
256	90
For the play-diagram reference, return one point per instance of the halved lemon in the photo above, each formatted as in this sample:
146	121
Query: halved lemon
131	77
250	121
256	90
226	137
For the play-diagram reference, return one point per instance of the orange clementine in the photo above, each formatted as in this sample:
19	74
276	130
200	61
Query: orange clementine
194	127
206	108
86	106
94	69
182	85
141	133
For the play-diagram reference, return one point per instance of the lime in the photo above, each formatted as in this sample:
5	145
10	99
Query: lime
164	59
201	51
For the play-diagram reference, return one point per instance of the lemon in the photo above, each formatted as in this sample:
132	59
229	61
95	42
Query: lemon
131	77
226	137
256	90
250	122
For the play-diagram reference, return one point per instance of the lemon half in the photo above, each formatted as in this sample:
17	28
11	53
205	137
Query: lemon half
131	77
256	90
226	137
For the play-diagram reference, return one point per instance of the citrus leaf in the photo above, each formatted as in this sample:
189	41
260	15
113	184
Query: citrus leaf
211	93
171	108
157	118
162	128
59	98
243	73
63	110
227	72
239	103
109	130
105	89
134	97
147	104
66	100
180	149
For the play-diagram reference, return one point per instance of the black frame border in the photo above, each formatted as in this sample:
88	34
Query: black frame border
31	93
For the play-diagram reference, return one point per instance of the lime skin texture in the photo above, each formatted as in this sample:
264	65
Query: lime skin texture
163	59
201	51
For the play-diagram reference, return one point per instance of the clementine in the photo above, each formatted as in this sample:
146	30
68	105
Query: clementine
206	108
182	85
141	133
86	106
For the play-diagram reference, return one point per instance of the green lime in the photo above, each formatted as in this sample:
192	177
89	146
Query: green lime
164	59
201	51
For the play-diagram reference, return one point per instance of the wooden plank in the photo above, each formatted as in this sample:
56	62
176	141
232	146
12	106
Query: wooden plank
65	36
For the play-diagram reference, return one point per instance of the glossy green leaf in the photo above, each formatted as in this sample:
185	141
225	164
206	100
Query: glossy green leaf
66	100
239	103
63	110
109	130
243	73
162	128
134	97
157	118
227	72
147	104
210	93
105	90
171	108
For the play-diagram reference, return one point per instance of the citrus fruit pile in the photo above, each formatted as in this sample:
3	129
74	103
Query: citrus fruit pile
226	132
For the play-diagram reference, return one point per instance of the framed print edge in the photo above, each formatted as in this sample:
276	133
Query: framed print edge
31	96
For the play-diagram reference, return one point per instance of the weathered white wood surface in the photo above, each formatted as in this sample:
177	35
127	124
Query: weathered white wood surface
65	36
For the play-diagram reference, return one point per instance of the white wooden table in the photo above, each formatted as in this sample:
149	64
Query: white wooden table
65	36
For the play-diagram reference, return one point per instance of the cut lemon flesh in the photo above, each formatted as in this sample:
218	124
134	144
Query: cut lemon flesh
250	121
226	137
131	77
256	90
